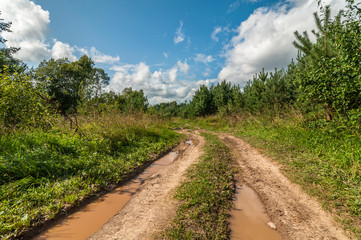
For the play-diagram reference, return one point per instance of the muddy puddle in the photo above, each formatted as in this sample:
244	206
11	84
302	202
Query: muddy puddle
248	218
88	220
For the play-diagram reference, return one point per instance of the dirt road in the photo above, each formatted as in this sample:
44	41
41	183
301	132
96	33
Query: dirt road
295	214
153	206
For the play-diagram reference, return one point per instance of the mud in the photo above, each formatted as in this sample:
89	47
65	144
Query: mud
248	218
153	207
147	205
295	214
89	219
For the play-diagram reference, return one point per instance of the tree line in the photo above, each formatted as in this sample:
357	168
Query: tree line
325	75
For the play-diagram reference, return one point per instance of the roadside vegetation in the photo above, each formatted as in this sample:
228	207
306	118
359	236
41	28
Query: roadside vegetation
45	173
63	138
206	196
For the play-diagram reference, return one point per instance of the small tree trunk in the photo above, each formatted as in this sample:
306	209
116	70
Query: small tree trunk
328	112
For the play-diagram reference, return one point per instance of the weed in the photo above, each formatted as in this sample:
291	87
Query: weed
45	172
206	196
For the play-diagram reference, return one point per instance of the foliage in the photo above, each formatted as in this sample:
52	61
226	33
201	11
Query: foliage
129	101
202	102
69	83
43	173
6	58
171	109
328	71
20	104
134	101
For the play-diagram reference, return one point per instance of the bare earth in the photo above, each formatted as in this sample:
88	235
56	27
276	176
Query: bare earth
295	214
153	207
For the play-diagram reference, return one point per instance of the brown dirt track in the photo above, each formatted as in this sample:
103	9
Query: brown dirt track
295	214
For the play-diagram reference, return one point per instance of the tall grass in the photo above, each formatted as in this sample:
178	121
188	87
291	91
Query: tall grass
45	172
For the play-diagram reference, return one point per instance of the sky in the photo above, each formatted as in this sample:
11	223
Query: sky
168	48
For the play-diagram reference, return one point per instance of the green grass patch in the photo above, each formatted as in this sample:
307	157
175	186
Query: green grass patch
44	173
206	196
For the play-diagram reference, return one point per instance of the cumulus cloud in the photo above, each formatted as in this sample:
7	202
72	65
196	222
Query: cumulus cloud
159	86
265	38
62	50
99	57
183	67
200	57
30	25
179	34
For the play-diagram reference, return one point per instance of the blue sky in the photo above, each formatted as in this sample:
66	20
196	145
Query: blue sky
165	47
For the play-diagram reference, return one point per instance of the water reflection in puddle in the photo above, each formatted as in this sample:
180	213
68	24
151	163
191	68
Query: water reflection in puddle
89	219
248	218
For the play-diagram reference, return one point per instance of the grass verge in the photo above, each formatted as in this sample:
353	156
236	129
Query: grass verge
206	196
43	174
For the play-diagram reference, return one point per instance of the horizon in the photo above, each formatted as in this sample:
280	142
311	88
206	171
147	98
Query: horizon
166	48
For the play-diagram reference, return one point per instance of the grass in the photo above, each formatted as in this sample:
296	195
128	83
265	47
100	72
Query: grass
322	157
45	173
206	196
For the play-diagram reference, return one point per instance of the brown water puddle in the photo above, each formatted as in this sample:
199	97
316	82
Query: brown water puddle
248	218
88	220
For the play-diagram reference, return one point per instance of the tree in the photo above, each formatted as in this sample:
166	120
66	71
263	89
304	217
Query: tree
20	104
253	92
134	101
69	83
6	53
202	102
316	63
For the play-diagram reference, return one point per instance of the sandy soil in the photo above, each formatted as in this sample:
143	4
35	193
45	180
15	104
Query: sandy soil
153	207
295	214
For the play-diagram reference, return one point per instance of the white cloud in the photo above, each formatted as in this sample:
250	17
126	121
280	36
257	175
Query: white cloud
30	25
99	57
179	34
215	32
165	55
233	6
265	39
159	86
62	50
200	57
183	67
